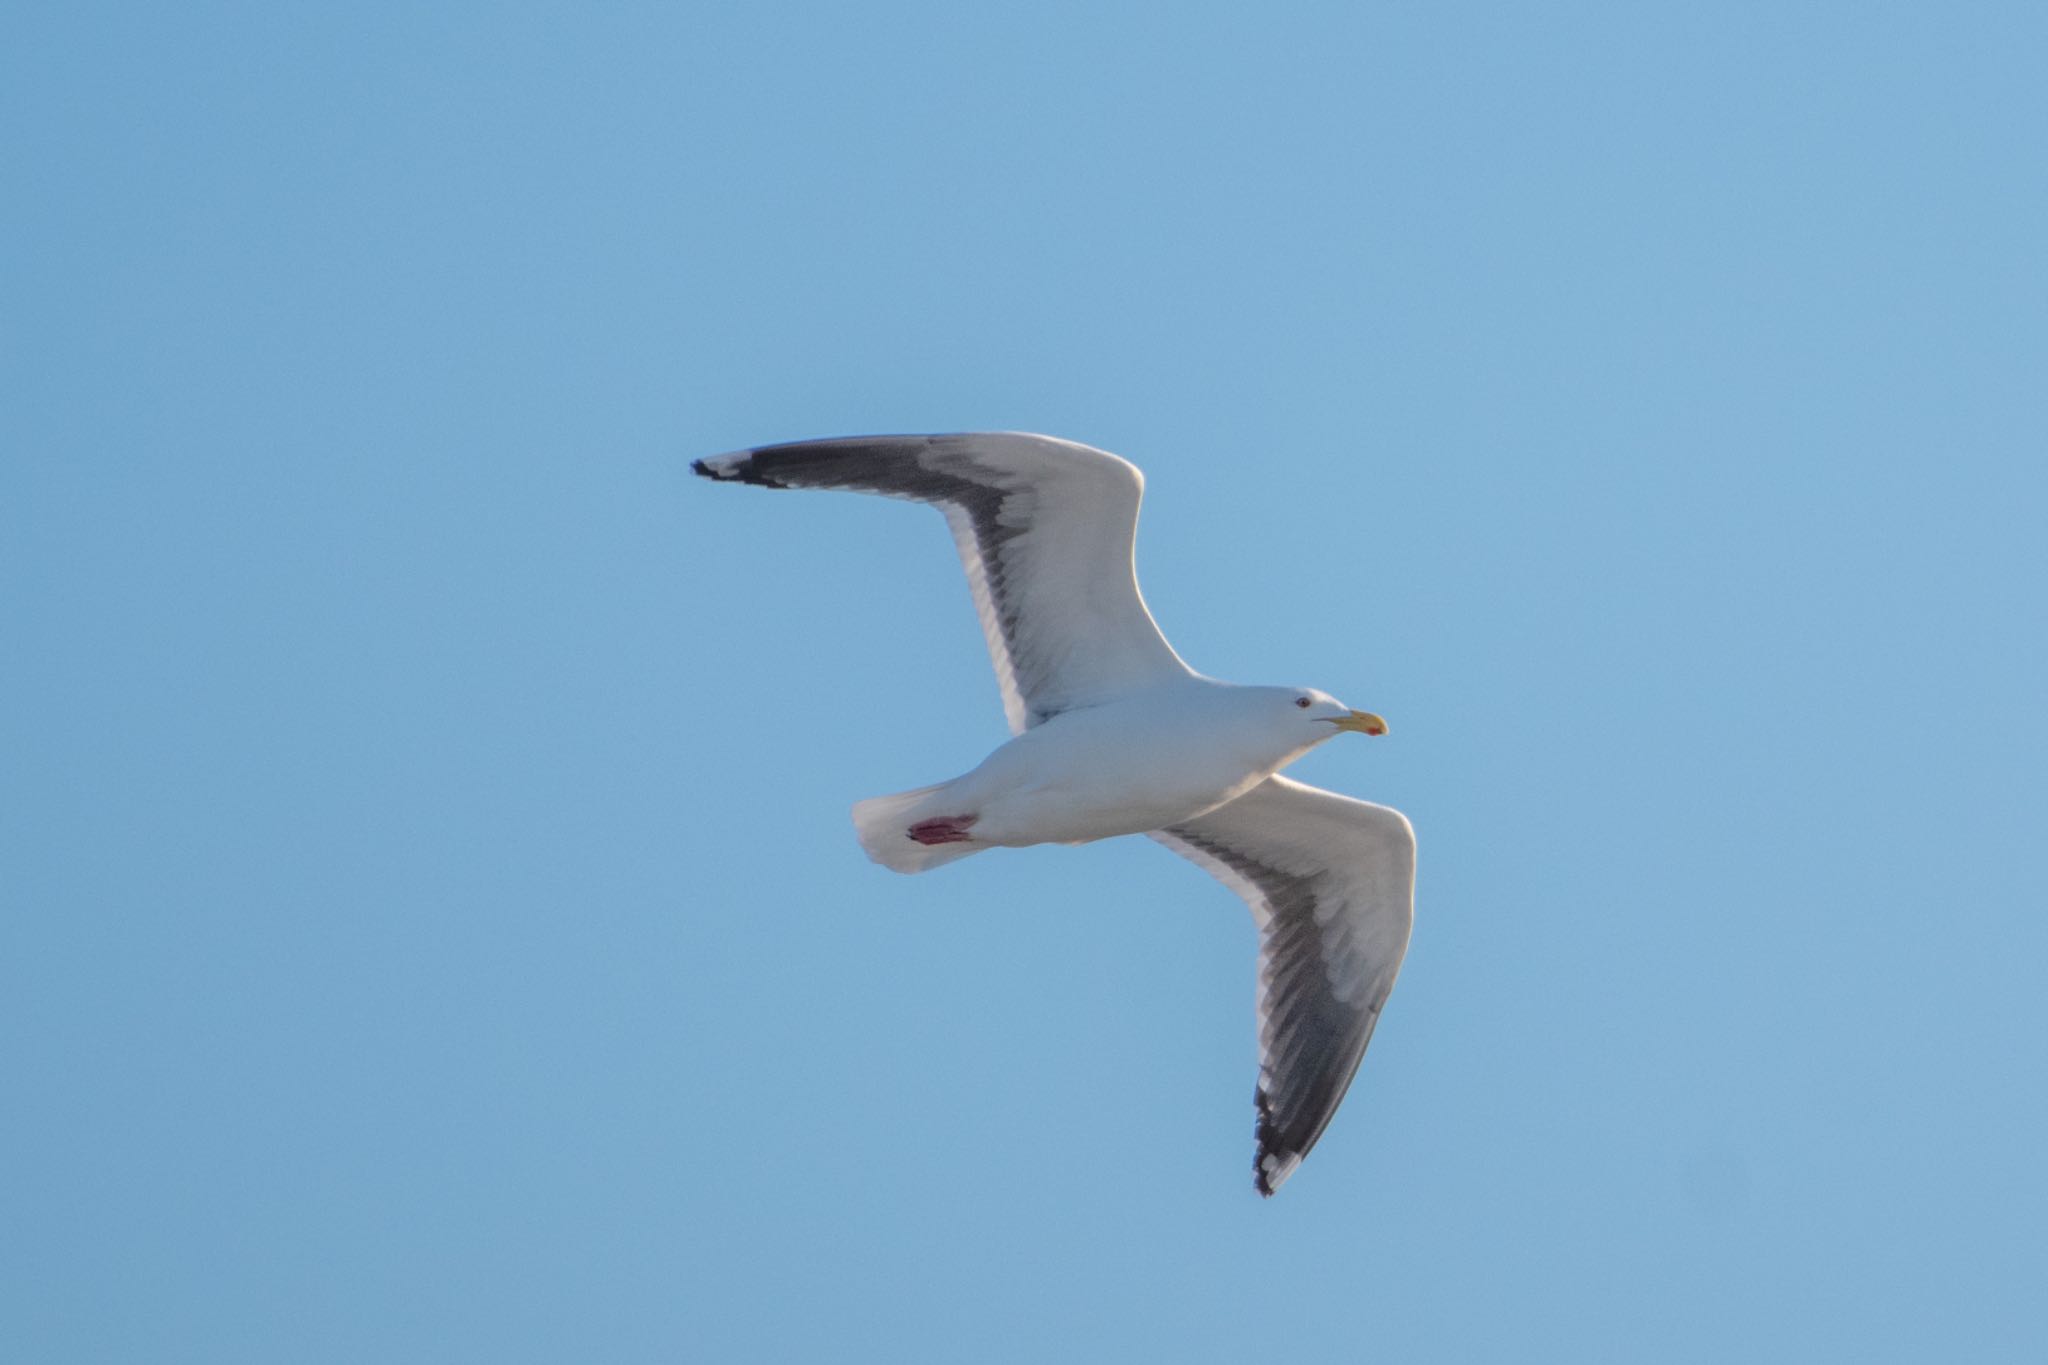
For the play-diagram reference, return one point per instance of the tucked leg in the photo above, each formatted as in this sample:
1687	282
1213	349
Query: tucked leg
944	829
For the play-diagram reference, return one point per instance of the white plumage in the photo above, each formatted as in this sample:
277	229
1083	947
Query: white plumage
1113	734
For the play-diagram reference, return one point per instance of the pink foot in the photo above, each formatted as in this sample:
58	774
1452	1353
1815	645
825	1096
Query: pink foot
946	829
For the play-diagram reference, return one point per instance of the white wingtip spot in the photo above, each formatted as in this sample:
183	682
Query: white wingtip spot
1276	1168
723	466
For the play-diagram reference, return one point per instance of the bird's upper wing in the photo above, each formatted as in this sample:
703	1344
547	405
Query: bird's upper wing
1331	882
1045	529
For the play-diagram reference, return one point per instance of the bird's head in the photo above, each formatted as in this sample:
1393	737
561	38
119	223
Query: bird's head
1323	717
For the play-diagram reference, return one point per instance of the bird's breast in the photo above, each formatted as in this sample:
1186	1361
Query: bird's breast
1081	777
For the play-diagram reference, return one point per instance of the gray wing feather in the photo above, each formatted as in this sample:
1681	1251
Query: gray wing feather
1046	530
1331	883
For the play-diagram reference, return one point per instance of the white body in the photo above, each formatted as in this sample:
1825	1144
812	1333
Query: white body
1125	767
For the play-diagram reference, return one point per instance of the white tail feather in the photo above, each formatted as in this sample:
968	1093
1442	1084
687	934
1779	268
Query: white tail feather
883	823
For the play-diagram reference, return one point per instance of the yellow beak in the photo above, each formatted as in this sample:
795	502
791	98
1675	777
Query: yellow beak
1365	722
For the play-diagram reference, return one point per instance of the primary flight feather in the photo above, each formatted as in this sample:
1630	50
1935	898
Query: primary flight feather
1113	734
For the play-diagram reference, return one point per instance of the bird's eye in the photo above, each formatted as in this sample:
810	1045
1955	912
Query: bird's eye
1302	702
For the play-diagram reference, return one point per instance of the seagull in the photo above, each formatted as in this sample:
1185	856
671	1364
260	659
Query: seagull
1113	734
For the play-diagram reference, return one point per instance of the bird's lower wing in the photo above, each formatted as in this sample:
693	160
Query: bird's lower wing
1331	882
1046	531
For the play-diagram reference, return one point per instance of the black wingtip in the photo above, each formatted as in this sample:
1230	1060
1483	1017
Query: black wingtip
1262	1144
731	473
742	466
1269	1157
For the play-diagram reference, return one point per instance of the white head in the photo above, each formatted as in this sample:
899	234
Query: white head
1326	716
1302	717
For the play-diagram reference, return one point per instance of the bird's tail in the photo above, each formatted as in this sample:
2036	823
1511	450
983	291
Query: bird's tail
883	823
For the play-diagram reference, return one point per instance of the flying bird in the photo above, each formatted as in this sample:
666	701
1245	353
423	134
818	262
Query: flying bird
1112	734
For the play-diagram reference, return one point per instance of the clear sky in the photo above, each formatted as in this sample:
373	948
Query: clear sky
432	930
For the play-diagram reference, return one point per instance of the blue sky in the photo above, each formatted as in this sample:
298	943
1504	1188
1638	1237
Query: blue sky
432	930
